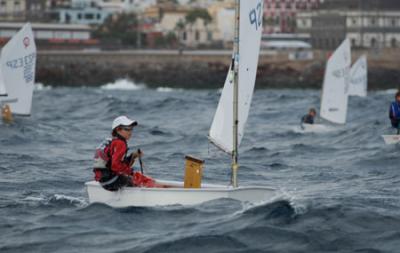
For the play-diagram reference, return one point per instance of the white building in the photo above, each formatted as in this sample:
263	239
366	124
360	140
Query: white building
124	5
365	29
373	29
12	9
367	23
43	31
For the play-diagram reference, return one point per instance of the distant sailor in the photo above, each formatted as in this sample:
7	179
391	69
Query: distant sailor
6	113
309	118
394	111
112	166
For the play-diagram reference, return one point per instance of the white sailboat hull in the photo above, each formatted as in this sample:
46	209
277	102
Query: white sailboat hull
177	195
391	139
315	128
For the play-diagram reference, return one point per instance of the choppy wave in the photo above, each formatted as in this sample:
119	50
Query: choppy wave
123	84
341	188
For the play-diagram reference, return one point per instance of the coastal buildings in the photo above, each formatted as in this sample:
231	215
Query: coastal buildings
36	10
12	10
325	23
78	12
52	35
280	15
367	23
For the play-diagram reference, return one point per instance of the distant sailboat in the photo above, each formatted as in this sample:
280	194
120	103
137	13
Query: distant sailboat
17	69
226	131
335	88
359	78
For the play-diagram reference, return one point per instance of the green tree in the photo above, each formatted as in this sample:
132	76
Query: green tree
122	27
193	15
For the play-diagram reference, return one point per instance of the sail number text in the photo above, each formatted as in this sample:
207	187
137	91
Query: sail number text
22	61
255	15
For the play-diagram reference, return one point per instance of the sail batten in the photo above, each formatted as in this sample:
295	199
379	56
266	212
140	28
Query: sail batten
335	88
18	64
359	78
250	26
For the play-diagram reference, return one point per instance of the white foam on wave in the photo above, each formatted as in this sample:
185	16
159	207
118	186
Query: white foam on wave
73	200
316	128
41	199
123	84
40	87
167	89
388	91
34	199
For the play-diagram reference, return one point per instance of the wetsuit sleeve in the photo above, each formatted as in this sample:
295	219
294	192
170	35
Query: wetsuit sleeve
118	152
391	114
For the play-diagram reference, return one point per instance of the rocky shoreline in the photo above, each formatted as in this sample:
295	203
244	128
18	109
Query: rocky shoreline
191	71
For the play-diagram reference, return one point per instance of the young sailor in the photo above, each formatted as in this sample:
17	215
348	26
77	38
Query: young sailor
394	111
309	118
112	164
6	113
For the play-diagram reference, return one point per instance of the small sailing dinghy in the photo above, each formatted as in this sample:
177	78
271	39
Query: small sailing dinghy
359	78
335	89
17	72
315	128
391	139
226	131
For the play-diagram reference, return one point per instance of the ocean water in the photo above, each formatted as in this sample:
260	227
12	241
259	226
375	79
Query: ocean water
341	187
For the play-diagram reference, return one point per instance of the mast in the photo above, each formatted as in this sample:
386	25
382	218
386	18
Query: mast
235	154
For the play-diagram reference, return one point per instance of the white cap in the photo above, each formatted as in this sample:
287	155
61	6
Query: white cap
123	121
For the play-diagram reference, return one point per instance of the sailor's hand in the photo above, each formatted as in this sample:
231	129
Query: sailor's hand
137	154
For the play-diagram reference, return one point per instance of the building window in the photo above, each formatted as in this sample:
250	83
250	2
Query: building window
89	16
98	16
67	18
393	43
353	42
197	35
333	43
393	22
354	21
277	20
79	16
184	36
372	21
373	43
209	36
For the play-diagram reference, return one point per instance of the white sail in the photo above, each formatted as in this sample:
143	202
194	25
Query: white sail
358	78
250	28
3	91
335	88
18	64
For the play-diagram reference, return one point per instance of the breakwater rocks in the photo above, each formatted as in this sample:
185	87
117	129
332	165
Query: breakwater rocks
198	69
